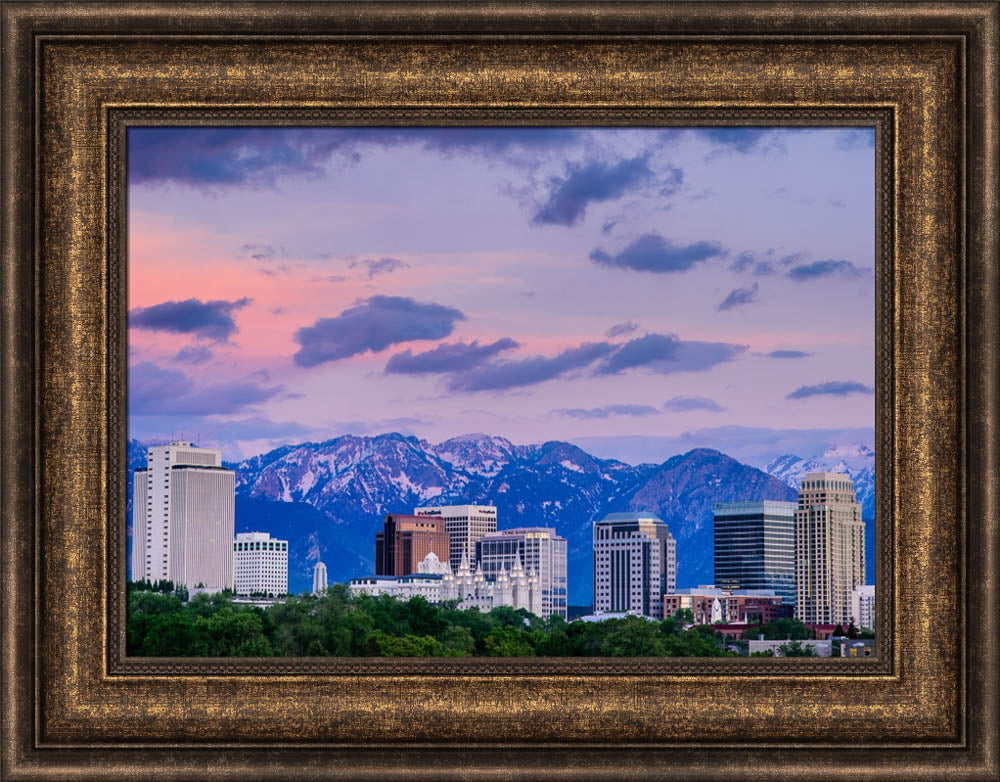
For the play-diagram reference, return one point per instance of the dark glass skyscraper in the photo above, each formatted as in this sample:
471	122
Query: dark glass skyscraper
755	546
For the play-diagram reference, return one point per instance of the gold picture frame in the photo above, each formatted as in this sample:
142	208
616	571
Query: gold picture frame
76	75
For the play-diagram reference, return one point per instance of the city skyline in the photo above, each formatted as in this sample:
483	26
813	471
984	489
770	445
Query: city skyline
586	285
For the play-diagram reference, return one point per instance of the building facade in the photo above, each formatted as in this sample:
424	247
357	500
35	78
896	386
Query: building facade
183	517
829	548
425	585
319	579
863	606
406	540
710	605
755	546
537	550
261	564
635	564
465	524
517	588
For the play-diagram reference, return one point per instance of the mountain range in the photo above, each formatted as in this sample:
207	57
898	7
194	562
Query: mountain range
328	499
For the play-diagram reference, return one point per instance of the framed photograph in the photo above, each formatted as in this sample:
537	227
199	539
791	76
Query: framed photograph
465	390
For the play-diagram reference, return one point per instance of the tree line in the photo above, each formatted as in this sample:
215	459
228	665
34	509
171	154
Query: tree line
162	624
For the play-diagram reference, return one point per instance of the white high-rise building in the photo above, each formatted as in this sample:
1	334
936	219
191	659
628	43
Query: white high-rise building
863	606
635	564
183	517
261	564
465	524
538	550
319	579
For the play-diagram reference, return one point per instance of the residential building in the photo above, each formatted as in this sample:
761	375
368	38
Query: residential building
863	606
319	579
711	605
465	524
635	563
537	550
755	546
405	541
829	548
261	564
183	517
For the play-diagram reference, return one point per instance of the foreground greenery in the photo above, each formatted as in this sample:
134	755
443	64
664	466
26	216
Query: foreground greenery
160	624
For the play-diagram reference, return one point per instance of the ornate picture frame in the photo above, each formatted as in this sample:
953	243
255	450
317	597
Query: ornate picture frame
76	76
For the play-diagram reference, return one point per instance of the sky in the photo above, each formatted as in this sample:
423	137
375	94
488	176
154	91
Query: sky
638	291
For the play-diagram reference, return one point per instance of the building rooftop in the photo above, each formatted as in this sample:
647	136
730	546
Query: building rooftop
632	516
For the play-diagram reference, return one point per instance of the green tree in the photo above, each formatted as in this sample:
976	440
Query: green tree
506	641
634	636
796	649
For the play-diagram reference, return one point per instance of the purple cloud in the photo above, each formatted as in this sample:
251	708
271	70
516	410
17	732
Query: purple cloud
666	354
454	357
788	354
608	410
153	390
827	268
739	297
621	329
380	266
528	371
373	325
205	319
736	139
831	388
683	404
652	253
586	184
193	355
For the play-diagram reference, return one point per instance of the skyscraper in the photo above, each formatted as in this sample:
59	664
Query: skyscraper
539	550
635	564
755	547
829	548
465	524
404	542
863	606
260	564
183	517
319	579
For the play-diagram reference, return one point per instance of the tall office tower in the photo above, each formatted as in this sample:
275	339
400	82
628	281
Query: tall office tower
319	579
539	550
405	541
465	524
635	564
863	606
755	547
261	564
183	517
829	548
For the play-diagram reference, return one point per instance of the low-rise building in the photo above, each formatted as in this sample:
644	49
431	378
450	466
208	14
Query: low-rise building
425	585
822	648
711	605
260	564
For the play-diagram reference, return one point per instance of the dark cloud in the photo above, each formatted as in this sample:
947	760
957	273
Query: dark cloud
205	319
788	354
621	329
827	268
454	357
153	390
683	404
831	388
528	371
380	266
590	183
608	410
373	325
765	264
666	354
739	297
737	139
193	355
652	253
225	157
